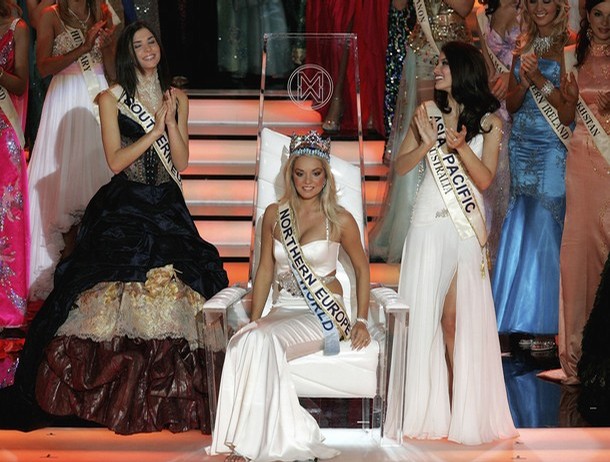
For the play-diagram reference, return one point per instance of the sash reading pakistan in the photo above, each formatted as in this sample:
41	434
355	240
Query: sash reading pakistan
454	184
135	110
85	62
597	132
330	312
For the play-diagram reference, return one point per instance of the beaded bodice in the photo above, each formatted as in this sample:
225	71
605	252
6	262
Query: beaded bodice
147	169
62	44
445	25
7	48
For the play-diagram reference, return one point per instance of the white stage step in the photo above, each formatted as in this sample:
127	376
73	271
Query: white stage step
238	156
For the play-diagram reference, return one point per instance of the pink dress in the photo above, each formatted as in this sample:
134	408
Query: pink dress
14	235
585	242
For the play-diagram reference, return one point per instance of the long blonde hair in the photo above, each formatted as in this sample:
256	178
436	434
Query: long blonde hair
328	197
529	30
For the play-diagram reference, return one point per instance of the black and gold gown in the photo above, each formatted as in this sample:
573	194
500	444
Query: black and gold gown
115	342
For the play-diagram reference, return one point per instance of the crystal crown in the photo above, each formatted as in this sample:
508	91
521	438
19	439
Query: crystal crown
311	144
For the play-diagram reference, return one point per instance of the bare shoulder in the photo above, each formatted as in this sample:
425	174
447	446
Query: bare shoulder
106	99
107	95
271	211
21	27
50	14
49	21
347	220
491	122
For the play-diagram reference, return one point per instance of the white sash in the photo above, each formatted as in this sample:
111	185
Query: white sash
454	184
483	21
136	111
422	18
86	65
597	132
550	114
331	313
7	106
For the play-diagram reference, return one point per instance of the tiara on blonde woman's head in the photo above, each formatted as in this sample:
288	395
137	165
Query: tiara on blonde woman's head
311	144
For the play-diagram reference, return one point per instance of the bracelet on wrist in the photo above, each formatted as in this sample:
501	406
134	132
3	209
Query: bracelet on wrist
547	88
363	321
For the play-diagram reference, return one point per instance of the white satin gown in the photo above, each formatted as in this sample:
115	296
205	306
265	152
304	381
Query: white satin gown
259	415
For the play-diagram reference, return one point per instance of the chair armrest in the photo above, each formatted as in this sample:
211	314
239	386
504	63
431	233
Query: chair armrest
225	313
222	300
385	303
388	299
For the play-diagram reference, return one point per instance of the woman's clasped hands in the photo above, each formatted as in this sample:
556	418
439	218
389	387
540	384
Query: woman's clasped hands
166	114
99	30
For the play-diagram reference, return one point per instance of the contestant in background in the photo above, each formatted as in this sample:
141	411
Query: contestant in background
498	25
586	235
526	276
14	230
75	45
441	21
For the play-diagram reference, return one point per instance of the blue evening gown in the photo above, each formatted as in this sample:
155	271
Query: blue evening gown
526	278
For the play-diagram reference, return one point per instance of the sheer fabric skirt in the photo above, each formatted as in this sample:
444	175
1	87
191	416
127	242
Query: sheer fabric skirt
68	166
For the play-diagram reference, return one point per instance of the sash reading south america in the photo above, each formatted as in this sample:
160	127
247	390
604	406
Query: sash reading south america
135	110
329	311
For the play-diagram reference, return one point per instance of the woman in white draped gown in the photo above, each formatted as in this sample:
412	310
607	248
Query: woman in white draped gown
259	416
454	383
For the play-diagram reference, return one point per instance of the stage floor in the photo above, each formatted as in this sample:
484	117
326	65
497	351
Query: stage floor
100	445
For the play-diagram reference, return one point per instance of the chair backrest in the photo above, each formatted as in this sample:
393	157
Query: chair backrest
270	187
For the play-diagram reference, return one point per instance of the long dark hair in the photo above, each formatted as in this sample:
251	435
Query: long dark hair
582	41
490	6
469	87
127	63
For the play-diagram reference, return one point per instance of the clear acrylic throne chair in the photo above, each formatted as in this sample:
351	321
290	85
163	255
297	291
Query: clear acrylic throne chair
350	374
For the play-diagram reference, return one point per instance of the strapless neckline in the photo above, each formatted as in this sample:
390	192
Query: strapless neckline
309	243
